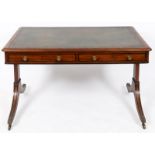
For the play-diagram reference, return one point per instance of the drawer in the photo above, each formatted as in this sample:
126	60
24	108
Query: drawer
39	58
130	57
113	58
95	57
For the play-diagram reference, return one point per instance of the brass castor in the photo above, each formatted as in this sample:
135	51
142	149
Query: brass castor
9	127
144	125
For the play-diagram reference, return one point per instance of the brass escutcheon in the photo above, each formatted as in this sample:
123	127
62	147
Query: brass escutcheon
94	58
25	58
58	58
129	57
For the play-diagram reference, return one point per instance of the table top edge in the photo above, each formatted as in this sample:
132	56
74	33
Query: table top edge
7	47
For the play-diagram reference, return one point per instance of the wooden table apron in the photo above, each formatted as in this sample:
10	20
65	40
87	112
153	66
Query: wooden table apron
71	55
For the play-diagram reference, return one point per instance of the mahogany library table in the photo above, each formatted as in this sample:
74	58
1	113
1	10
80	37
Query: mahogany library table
76	45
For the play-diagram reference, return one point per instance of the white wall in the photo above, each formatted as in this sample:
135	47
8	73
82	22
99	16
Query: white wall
60	99
76	13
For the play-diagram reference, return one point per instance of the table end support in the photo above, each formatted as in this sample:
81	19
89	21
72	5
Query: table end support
135	89
18	88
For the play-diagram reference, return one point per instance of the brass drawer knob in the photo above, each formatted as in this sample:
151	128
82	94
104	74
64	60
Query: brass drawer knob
129	57
25	59
94	58
58	58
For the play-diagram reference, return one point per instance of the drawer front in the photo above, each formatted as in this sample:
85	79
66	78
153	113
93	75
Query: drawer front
95	57
130	57
39	58
113	58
